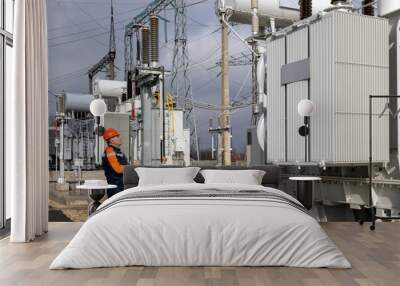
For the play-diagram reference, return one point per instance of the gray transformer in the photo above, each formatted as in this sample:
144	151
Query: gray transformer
337	60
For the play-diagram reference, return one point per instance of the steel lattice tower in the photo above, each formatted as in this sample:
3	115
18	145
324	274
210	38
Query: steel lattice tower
180	80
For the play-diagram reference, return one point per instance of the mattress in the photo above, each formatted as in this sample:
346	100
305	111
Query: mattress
201	225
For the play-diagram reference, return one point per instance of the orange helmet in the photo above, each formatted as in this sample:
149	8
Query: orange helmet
110	133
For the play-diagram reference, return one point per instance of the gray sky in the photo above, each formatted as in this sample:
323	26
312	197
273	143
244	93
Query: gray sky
78	38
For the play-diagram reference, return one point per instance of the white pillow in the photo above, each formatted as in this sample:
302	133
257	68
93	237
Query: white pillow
166	176
248	177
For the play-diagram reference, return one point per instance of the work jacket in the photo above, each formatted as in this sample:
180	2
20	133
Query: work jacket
113	162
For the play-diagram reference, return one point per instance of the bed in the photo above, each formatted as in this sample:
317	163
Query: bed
197	224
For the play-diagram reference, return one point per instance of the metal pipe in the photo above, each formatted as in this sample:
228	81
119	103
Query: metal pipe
265	136
212	146
254	110
370	163
146	114
162	97
61	178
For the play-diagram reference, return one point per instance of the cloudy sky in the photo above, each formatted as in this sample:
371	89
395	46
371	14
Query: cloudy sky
78	38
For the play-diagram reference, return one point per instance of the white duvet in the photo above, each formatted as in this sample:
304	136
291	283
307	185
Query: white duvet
204	231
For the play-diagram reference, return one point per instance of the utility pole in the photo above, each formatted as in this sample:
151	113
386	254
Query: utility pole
225	100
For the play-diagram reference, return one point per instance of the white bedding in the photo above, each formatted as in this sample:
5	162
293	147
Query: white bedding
202	231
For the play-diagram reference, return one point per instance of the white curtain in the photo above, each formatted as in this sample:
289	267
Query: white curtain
27	123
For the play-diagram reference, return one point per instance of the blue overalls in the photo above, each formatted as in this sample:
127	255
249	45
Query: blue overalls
113	161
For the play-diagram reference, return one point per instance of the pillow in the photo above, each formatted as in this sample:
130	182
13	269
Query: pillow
166	176
248	177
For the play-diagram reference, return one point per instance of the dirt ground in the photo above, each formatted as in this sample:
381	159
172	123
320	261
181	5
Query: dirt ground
74	214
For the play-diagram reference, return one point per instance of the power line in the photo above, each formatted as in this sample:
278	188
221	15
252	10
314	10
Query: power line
93	2
90	16
83	38
84	70
91	21
188	5
73	22
81	32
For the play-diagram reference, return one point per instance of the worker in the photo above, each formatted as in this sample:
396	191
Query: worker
113	161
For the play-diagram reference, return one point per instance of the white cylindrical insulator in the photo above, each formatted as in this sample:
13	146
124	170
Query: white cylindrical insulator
261	132
260	78
255	26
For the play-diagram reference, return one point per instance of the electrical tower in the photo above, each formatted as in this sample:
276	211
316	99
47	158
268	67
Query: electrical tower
180	79
107	62
111	46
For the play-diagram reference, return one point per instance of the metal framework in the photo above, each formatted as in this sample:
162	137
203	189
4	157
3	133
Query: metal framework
371	203
153	8
106	62
180	79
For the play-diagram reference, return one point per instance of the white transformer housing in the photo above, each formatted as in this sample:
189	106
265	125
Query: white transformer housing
77	102
109	88
284	12
339	60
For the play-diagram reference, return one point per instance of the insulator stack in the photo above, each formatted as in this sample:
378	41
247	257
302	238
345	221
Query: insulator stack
305	9
138	56
129	85
154	34
368	7
61	104
145	46
135	88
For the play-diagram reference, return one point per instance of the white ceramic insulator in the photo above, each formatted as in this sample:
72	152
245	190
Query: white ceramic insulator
261	131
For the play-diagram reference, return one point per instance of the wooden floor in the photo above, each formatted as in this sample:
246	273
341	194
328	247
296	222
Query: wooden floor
375	257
